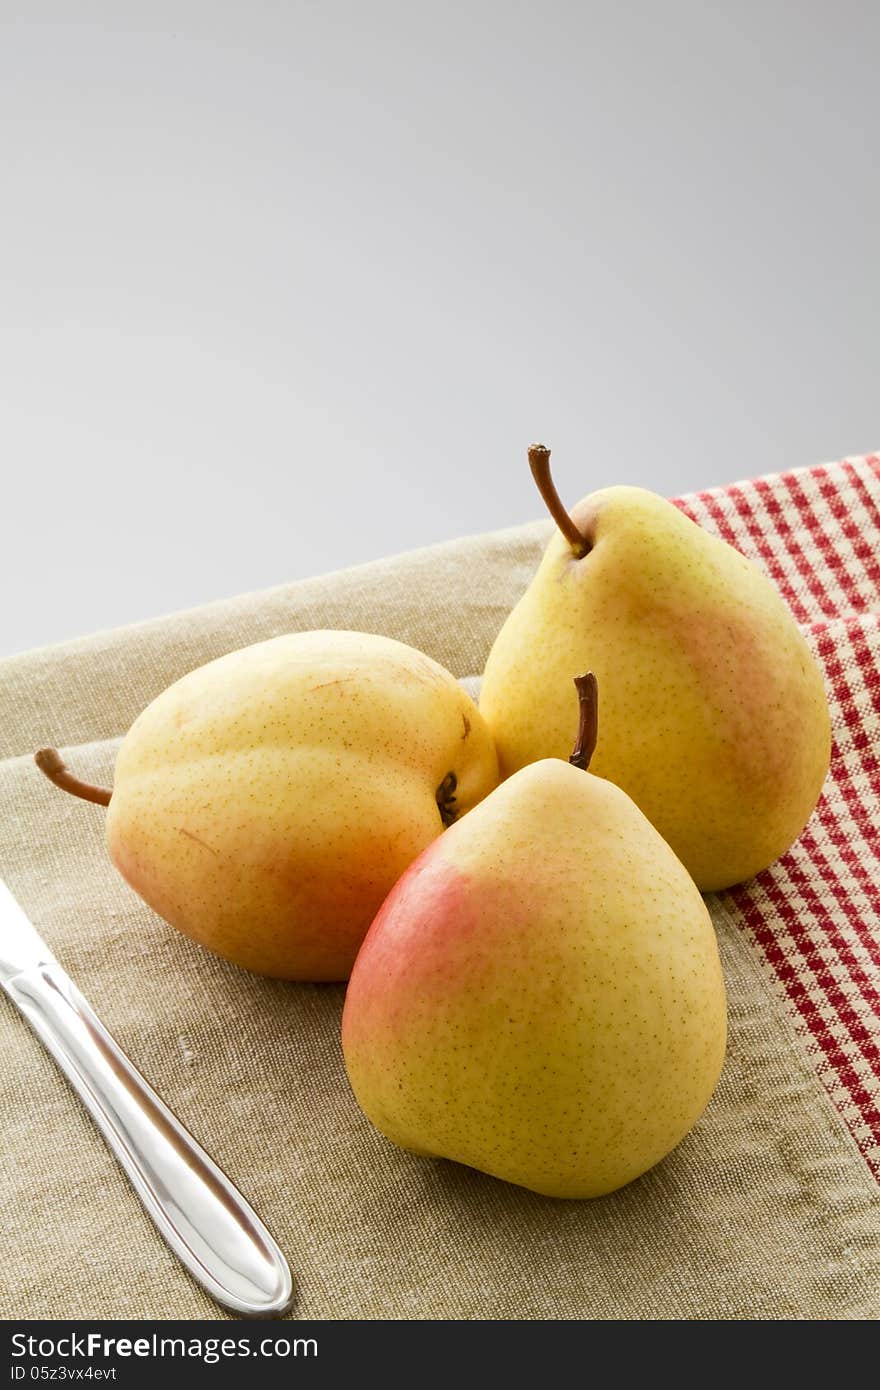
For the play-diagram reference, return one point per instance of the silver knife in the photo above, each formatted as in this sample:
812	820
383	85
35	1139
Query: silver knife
205	1220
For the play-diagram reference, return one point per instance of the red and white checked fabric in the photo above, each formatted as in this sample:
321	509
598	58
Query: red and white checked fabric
815	915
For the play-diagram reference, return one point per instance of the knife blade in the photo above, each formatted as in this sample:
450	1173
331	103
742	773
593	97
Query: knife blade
212	1229
21	946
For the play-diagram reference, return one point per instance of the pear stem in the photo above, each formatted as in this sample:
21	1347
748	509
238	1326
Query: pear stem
588	723
539	462
52	765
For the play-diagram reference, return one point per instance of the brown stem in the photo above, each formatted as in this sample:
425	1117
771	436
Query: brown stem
50	762
539	462
446	799
588	723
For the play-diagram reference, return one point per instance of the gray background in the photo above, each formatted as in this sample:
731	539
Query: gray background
290	286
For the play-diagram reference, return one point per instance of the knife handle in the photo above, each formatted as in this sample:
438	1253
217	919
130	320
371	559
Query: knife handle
207	1223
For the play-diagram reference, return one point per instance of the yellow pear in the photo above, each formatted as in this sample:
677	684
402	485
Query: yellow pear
717	722
266	803
540	995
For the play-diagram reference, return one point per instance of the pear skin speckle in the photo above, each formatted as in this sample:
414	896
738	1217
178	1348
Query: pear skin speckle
714	714
267	802
540	996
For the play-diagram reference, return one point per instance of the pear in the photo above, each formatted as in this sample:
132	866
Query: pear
717	723
540	996
267	802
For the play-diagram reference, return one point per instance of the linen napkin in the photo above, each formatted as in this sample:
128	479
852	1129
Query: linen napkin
769	1209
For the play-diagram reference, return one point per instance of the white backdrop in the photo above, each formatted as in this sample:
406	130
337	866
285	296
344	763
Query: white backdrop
289	286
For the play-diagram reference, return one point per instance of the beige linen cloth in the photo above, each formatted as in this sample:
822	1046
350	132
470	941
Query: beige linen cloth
767	1210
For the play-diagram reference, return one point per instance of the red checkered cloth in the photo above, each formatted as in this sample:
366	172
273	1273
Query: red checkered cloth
814	917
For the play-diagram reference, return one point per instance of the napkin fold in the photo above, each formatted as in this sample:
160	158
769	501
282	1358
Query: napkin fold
769	1209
